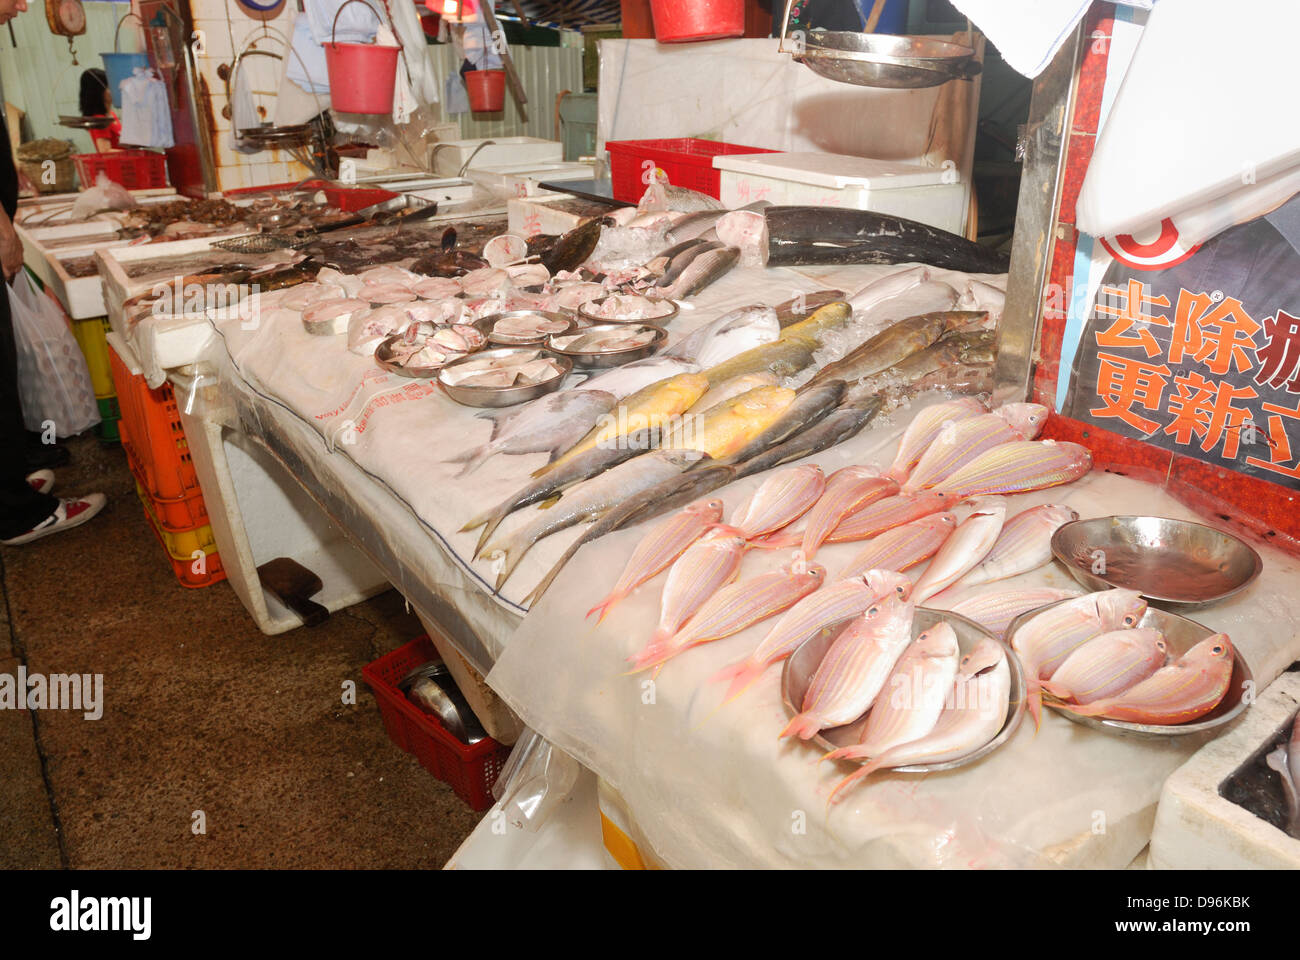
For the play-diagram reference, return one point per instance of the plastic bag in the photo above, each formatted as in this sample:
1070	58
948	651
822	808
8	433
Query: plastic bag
53	380
106	194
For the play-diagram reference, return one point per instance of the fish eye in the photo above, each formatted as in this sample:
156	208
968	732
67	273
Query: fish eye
873	611
1218	649
1130	620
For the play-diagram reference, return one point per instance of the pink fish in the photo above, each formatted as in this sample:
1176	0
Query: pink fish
1024	544
914	696
960	553
1044	641
1019	467
973	715
923	429
995	609
902	547
1026	419
855	668
665	542
780	500
847	491
820	611
1186	690
956	445
733	608
888	513
707	565
1108	664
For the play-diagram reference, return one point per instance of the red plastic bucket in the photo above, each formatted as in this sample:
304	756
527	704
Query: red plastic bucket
487	90
677	21
362	75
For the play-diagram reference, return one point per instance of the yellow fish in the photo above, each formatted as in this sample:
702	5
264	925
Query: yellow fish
728	427
650	408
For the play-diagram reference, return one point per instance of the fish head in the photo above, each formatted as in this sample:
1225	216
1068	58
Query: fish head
1212	651
1120	609
985	654
1026	419
937	641
890	613
1054	515
939	521
709	511
933	500
887	583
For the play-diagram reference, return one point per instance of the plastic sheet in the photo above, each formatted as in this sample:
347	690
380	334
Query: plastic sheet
712	786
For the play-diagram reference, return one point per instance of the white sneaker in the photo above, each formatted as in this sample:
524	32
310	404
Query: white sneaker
42	481
72	512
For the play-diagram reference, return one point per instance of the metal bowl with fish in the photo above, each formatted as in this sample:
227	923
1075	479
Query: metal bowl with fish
424	348
526	328
503	376
1171	562
801	667
608	344
628	308
1180	635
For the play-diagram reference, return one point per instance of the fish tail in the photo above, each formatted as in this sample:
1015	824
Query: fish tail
489	527
1057	690
473	462
1035	703
543	585
843	753
804	726
511	552
866	770
655	654
896	473
607	604
742	675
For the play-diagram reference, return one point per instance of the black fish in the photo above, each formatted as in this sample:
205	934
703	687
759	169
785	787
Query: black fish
448	241
572	249
799	236
843	422
447	263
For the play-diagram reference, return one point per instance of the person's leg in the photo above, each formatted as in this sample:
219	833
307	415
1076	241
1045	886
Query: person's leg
21	507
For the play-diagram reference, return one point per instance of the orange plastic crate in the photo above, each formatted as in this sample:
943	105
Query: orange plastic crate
152	435
183	567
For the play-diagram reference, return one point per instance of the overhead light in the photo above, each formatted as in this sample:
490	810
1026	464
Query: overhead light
455	11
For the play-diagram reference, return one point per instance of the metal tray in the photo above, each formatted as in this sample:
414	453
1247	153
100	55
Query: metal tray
1157	555
802	665
597	360
503	396
655	321
1181	635
884	60
383	355
535	341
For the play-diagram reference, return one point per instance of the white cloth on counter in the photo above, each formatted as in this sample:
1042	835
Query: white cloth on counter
1027	33
145	113
1206	148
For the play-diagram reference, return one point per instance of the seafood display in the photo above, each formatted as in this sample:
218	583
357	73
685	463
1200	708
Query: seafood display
522	369
627	307
1285	760
523	327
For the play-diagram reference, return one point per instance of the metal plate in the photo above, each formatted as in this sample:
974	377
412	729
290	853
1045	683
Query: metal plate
661	321
1180	635
800	667
609	358
383	356
884	60
533	341
1174	562
504	396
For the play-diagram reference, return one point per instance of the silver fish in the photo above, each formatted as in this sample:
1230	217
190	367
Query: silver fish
729	335
845	421
588	500
555	423
702	271
683	259
891	285
630	377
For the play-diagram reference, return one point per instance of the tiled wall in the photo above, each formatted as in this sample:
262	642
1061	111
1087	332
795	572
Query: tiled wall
226	31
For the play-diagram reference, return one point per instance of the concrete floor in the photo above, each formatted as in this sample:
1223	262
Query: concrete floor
201	712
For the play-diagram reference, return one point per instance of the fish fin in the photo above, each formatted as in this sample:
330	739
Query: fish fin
549	502
866	770
1035	702
475	460
805	726
607	604
742	675
897	474
843	753
776	541
1060	692
654	654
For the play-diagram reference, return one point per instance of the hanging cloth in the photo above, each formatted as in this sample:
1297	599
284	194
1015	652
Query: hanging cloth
145	114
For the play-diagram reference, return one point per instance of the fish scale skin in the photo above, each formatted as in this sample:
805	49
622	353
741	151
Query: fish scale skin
994	610
955	446
847	491
780	500
902	547
1107	665
923	429
1019	467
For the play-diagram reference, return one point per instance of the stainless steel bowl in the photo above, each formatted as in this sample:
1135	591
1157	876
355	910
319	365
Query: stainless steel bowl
608	358
802	665
885	60
503	396
663	321
384	357
1180	635
492	319
1173	562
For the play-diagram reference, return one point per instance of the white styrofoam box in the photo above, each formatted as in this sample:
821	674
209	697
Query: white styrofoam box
931	195
525	179
1196	828
450	155
259	512
529	216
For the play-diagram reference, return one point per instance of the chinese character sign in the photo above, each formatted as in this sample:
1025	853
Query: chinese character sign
1203	357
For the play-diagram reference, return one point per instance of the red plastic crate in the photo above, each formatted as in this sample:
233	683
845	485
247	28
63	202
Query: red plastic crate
469	769
133	169
687	162
353	199
152	435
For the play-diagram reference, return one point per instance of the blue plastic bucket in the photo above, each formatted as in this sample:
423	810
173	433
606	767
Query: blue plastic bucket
119	66
892	20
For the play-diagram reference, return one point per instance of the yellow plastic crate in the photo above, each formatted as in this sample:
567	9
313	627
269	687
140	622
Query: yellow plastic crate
180	546
90	336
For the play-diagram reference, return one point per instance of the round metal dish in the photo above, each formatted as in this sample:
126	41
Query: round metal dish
503	396
1181	635
532	341
384	356
609	358
1173	562
802	665
654	321
101	122
884	60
